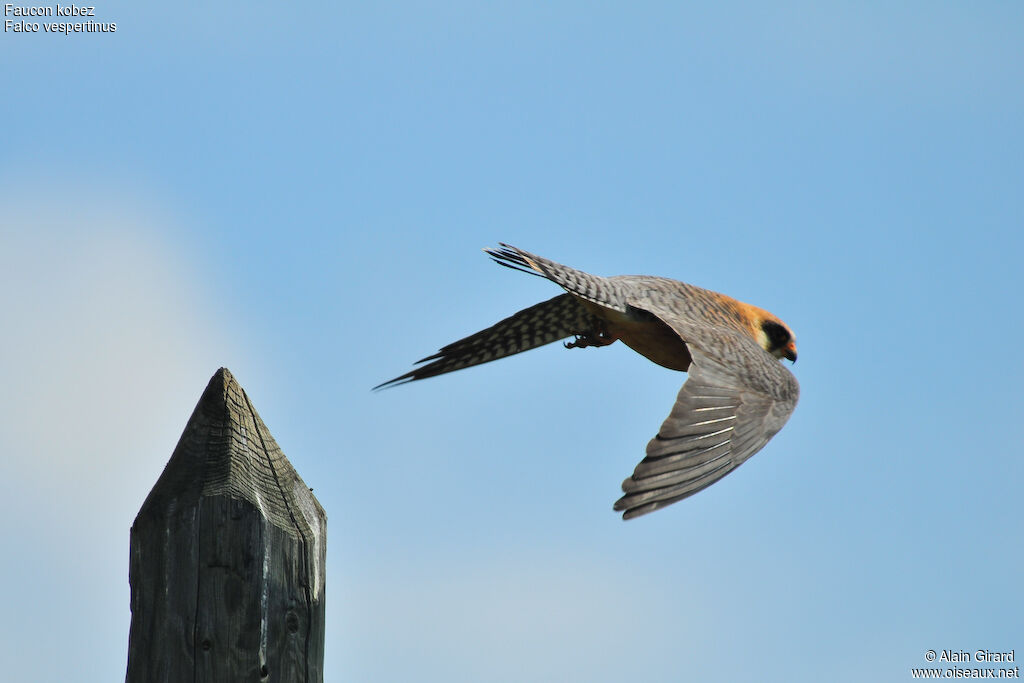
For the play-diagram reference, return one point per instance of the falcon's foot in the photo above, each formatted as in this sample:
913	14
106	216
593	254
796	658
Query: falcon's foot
591	338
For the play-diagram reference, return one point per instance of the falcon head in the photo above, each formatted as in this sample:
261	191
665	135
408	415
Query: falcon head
777	339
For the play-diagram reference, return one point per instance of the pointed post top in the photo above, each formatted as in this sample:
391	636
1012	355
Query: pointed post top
228	556
226	448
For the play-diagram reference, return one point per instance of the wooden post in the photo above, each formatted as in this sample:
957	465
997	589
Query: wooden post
227	557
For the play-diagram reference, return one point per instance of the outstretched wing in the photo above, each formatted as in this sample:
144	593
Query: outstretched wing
531	327
736	398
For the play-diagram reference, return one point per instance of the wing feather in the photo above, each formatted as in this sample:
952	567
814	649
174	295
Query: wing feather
736	398
531	327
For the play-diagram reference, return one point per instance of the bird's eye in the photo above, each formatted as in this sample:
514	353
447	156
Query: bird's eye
778	336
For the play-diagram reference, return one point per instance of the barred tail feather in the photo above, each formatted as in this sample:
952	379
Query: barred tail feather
600	290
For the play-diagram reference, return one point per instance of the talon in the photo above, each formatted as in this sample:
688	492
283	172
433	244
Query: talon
590	338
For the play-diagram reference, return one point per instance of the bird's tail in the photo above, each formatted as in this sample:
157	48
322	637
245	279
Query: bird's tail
600	290
535	326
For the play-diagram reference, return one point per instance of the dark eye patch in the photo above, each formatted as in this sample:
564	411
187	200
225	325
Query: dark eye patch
778	336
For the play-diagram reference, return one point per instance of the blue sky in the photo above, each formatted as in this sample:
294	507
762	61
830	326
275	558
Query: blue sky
302	196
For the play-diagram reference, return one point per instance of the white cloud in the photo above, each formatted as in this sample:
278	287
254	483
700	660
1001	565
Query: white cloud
107	345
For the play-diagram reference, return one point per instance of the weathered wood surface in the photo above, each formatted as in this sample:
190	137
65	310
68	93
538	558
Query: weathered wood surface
227	557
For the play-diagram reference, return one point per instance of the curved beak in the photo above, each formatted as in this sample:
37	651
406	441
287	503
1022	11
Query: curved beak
790	352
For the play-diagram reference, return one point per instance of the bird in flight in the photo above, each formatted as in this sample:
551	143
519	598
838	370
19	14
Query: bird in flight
737	395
